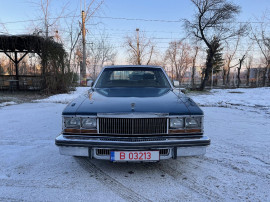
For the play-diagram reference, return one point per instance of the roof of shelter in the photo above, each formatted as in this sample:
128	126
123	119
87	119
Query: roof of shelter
25	43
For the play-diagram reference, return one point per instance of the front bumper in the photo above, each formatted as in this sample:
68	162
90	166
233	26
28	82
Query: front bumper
88	146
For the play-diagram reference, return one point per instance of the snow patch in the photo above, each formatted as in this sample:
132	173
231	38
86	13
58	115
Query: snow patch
7	104
65	98
241	98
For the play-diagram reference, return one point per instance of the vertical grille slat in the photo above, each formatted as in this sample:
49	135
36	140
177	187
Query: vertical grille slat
133	126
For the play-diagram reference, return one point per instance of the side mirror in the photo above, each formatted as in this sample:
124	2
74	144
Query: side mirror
176	83
90	83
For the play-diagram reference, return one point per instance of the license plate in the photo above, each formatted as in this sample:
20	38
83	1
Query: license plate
134	155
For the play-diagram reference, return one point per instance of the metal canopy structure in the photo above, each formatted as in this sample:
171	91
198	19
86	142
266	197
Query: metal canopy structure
14	44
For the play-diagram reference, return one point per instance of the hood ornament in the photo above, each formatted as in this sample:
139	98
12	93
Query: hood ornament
132	106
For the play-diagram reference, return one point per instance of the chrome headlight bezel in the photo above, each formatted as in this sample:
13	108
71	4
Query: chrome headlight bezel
177	123
71	122
88	123
193	122
74	122
189	122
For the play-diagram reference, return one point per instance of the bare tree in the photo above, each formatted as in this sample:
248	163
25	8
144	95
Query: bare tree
193	71
100	52
248	66
6	66
3	27
140	48
52	28
263	41
2	70
46	29
178	56
239	70
49	20
212	19
73	40
229	57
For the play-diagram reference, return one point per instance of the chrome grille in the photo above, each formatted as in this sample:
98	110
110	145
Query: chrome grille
133	126
103	152
164	152
133	139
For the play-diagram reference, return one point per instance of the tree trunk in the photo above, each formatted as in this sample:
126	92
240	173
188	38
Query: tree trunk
257	77
194	68
264	76
208	69
228	77
224	77
202	75
193	77
267	72
239	69
248	76
238	76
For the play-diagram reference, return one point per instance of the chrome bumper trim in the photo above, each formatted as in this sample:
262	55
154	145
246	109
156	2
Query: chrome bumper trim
87	146
84	151
62	140
73	151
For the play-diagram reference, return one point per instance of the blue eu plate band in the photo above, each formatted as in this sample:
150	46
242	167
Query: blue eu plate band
112	156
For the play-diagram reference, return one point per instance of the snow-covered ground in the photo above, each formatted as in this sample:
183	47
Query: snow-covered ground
254	99
3	104
65	98
235	168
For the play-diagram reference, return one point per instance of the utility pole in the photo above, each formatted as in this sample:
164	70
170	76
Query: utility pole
46	29
83	72
138	48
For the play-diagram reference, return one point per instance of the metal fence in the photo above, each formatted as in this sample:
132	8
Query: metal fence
24	82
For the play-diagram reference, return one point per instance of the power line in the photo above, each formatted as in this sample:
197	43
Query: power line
138	19
121	18
40	19
133	31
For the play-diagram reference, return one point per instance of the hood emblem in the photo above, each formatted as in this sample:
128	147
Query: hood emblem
132	106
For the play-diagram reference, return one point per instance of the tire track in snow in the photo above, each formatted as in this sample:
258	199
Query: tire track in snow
239	185
30	184
190	183
244	152
109	182
237	168
9	199
242	161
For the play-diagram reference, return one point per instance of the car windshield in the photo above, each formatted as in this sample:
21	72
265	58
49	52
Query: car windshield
136	77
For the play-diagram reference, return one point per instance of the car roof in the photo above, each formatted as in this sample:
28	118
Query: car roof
132	66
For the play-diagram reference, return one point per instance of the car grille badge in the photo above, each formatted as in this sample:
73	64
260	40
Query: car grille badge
132	106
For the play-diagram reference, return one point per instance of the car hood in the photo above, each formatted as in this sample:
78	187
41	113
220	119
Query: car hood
133	100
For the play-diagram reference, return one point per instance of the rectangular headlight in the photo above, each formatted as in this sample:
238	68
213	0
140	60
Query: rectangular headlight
193	122
89	123
72	122
176	123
